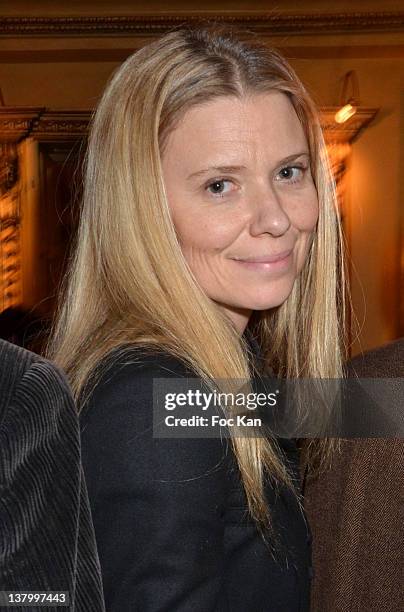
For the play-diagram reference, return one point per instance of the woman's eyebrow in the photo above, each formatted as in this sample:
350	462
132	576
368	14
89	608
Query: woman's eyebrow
224	169
221	169
292	157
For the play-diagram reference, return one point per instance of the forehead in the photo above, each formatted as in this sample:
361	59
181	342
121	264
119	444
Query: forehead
231	126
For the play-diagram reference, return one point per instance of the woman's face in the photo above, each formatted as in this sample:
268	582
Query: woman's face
242	199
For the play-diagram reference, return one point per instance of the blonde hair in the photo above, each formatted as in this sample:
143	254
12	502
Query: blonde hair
129	282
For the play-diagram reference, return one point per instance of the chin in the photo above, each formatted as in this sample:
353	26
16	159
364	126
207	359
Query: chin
260	304
265	300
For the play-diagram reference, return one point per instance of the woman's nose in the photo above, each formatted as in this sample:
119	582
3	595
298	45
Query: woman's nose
268	215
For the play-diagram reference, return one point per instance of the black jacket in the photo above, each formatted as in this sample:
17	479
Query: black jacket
46	534
170	514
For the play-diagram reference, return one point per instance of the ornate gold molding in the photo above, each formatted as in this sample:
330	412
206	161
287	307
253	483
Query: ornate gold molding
17	122
140	25
61	124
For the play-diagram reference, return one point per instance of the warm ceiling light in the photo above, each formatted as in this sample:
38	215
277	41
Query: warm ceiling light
348	103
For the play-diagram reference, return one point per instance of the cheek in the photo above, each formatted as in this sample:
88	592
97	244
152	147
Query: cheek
206	231
310	217
304	212
305	219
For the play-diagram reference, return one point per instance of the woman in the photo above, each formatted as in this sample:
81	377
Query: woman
207	247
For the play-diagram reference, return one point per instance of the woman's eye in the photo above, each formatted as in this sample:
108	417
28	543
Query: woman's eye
218	187
290	174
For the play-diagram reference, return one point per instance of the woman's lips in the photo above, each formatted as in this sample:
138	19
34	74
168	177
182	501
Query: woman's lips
272	262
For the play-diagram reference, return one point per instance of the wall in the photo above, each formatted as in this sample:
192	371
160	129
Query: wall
376	188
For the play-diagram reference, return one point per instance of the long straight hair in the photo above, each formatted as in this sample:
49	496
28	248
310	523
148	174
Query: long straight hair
129	282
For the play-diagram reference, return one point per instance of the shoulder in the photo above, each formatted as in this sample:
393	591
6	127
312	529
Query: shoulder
11	354
14	362
384	361
127	374
116	422
122	389
31	385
